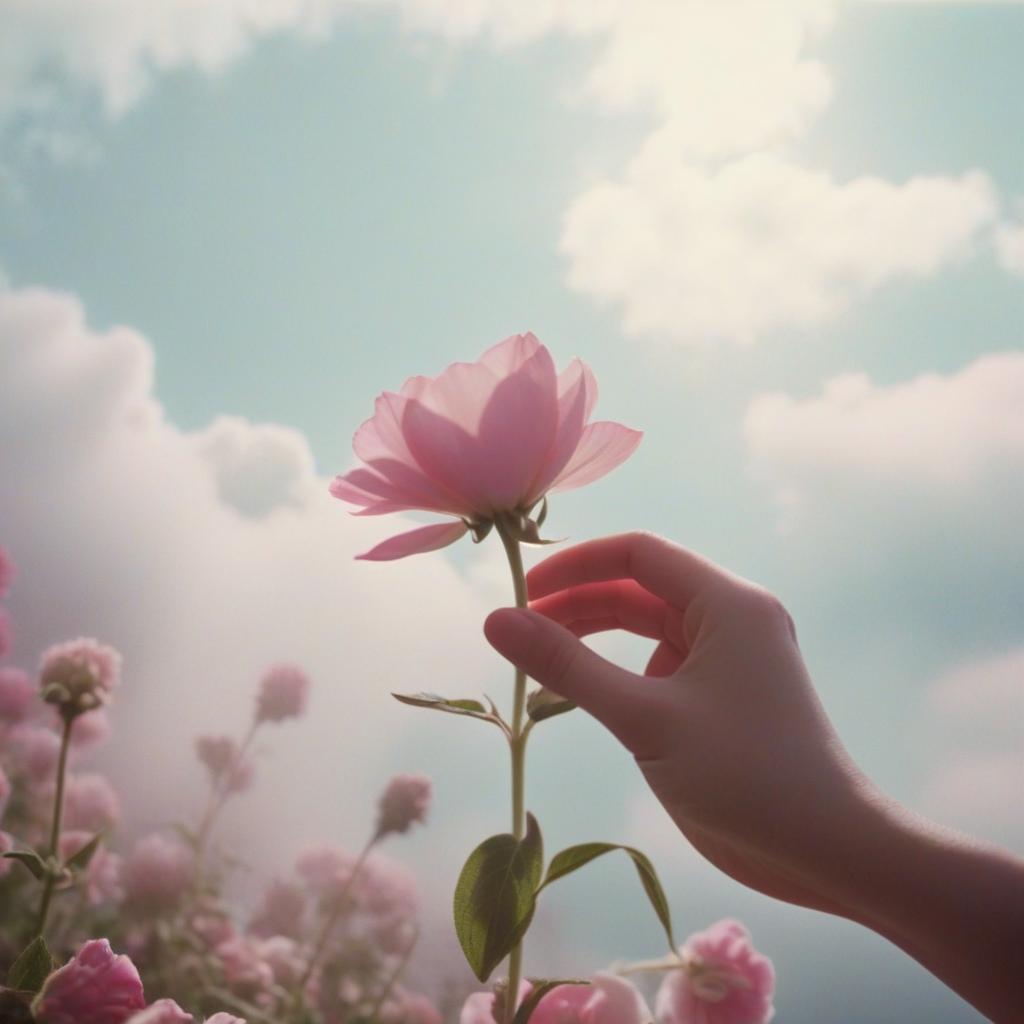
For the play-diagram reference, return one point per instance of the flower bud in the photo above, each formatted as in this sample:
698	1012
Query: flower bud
283	694
78	676
404	802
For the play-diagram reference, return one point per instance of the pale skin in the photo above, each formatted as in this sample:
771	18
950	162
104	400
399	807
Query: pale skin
727	728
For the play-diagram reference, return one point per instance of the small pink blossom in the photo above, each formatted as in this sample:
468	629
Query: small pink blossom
222	757
36	752
724	980
325	869
90	730
102	876
482	439
281	911
479	1007
284	957
158	872
90	803
163	1011
405	801
213	926
17	695
94	987
284	691
387	888
607	1000
409	1008
6	572
6	633
244	969
79	675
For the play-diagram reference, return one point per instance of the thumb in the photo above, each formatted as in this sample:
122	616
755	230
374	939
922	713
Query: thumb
555	658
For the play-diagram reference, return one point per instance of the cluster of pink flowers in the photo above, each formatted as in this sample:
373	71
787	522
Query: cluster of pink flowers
404	802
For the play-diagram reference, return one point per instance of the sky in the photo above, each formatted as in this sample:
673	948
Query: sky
789	240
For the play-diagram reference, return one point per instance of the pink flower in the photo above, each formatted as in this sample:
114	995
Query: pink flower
102	878
90	803
36	751
163	1011
157	873
6	632
281	912
243	967
221	755
607	1000
479	1007
283	957
90	731
724	980
6	572
409	1008
405	801
224	1018
325	869
94	987
17	695
386	888
284	691
482	439
78	675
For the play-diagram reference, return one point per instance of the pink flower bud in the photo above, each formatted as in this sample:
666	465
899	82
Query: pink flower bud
79	675
17	695
90	803
6	572
283	694
723	980
163	1011
157	873
281	912
405	801
94	987
607	1000
221	756
243	967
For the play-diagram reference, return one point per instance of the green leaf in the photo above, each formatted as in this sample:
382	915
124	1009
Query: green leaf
575	857
32	968
542	703
30	859
541	987
494	896
471	708
80	860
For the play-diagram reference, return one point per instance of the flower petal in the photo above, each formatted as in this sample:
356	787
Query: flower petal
507	356
414	542
604	446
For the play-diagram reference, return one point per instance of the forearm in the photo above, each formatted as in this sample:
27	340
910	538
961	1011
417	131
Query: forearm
954	904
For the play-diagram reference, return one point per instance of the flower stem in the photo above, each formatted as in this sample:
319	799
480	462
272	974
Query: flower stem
58	811
337	909
517	749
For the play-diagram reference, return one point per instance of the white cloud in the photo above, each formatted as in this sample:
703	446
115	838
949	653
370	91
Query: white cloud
204	557
974	721
761	243
1008	238
943	443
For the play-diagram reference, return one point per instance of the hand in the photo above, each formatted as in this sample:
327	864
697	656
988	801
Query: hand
725	723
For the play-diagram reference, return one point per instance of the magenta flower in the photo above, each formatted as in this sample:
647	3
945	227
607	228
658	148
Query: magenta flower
157	873
284	691
404	802
483	439
723	980
6	572
17	695
94	987
163	1011
79	675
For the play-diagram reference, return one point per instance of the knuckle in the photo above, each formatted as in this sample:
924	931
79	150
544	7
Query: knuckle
562	663
763	605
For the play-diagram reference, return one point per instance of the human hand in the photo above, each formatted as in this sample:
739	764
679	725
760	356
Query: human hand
724	723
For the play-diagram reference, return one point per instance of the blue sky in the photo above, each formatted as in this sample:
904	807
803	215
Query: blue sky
294	218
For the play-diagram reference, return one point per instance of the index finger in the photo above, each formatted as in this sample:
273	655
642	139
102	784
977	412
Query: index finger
671	572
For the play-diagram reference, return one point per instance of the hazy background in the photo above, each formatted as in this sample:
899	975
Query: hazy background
788	239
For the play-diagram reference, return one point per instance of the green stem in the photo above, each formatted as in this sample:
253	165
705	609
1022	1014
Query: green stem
333	916
58	812
517	749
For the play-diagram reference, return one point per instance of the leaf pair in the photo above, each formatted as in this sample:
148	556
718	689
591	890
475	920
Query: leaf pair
497	891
